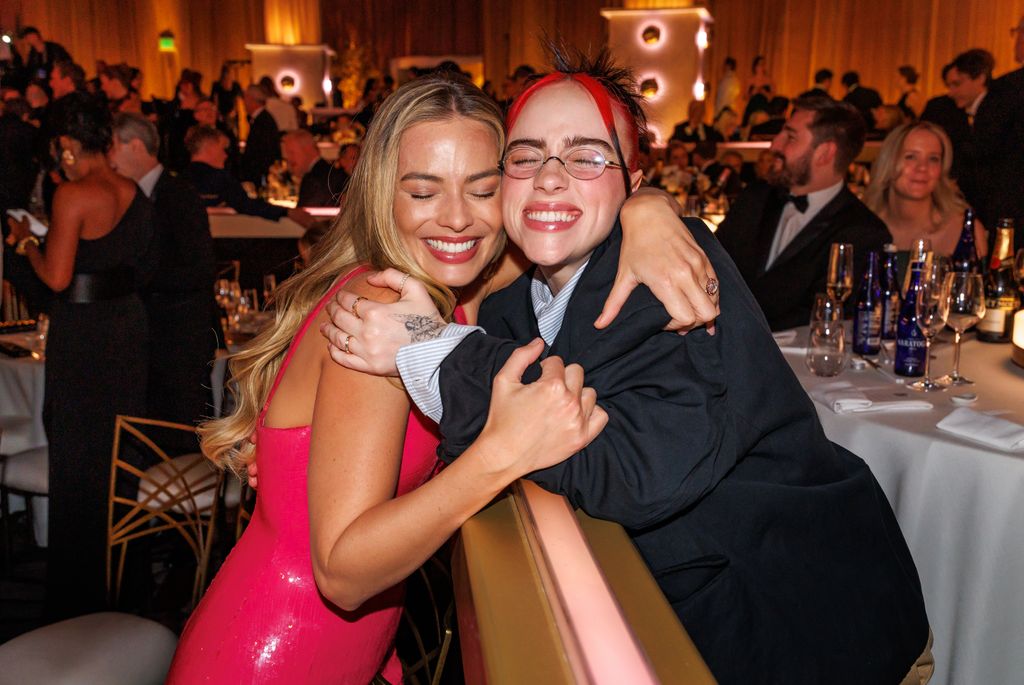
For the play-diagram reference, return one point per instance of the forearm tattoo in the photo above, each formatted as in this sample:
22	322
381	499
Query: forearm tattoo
421	328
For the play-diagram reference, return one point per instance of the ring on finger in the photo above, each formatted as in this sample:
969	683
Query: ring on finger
401	286
711	287
348	339
355	305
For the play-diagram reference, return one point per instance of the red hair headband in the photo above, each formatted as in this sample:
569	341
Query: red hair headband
604	107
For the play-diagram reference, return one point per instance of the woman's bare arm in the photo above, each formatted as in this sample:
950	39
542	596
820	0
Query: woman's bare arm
56	265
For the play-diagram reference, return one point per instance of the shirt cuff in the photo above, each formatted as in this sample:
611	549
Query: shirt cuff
419	365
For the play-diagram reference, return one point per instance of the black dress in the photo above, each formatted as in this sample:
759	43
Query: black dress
96	361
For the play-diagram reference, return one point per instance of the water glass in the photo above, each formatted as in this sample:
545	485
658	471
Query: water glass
840	271
826	309
269	286
39	343
826	348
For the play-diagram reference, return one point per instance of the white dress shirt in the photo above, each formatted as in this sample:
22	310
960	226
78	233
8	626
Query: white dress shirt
148	181
793	220
419	363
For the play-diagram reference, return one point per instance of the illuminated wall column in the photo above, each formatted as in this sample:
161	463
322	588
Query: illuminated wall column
665	48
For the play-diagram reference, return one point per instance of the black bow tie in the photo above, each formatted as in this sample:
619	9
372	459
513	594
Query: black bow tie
799	201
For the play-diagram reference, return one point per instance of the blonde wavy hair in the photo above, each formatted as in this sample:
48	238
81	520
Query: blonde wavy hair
880	196
365	232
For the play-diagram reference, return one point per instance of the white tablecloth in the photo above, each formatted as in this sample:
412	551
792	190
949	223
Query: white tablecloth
961	508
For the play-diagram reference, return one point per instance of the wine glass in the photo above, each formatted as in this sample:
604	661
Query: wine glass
221	292
929	315
840	271
825	308
269	286
963	305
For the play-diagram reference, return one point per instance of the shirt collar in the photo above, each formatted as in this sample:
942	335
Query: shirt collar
817	200
549	308
148	182
972	109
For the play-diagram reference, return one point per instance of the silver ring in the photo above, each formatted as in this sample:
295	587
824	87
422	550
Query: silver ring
401	286
355	304
711	288
348	339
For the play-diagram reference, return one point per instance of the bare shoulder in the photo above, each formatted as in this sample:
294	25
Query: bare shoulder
359	286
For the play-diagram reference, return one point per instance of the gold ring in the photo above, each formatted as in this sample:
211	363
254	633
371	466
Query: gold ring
401	286
348	339
711	288
355	304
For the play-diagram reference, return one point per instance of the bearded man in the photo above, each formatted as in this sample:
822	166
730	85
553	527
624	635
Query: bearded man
779	232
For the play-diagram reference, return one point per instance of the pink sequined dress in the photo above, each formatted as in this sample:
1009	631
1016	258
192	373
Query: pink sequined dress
263	619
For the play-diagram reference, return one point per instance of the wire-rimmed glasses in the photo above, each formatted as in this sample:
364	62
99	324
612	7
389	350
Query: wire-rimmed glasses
583	163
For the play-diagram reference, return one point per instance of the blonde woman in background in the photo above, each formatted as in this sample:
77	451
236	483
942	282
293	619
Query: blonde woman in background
912	192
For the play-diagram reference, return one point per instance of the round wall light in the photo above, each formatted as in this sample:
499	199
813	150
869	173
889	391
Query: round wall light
649	87
287	83
651	35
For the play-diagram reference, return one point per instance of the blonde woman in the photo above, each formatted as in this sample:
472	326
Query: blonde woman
912	192
345	463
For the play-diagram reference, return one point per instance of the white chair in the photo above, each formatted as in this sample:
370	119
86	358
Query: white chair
25	474
97	649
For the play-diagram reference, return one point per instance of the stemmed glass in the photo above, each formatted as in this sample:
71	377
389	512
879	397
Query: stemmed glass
840	271
929	315
269	286
963	305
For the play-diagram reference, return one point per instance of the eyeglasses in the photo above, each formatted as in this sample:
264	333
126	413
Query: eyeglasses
583	163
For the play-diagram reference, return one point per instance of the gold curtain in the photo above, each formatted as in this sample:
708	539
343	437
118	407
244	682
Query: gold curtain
292	22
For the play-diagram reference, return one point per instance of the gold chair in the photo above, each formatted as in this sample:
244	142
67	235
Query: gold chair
180	493
426	631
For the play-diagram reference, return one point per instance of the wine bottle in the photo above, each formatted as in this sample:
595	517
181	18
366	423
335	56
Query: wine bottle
911	346
965	256
1002	299
891	299
867	323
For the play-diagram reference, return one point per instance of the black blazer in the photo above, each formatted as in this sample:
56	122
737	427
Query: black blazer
183	232
317	189
217	187
683	132
776	548
865	100
786	290
262	148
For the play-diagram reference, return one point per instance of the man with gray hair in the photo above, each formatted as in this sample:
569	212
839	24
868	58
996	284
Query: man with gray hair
178	302
313	172
263	146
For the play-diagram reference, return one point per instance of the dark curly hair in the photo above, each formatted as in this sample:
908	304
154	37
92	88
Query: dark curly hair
88	122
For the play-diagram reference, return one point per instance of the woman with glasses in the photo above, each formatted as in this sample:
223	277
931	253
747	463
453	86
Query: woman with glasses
776	549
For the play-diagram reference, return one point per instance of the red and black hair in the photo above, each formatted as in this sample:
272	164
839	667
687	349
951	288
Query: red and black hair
613	89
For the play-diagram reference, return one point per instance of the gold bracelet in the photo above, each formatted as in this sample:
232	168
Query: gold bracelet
22	245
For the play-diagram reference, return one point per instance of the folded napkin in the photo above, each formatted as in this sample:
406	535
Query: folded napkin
988	430
787	342
843	397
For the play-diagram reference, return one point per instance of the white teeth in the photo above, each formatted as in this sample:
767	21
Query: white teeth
452	248
551	216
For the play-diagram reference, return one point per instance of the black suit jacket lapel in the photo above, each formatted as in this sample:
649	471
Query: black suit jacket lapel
773	207
817	227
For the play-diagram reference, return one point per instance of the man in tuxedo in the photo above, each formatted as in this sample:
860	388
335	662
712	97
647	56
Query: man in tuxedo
776	110
992	154
314	173
694	129
178	300
822	84
1011	85
863	99
263	146
33	57
779	233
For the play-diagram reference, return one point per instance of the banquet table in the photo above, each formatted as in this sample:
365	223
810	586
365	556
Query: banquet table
21	416
958	502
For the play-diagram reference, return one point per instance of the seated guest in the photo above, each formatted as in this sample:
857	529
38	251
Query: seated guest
864	99
676	175
283	112
177	299
348	156
207	148
715	173
887	118
911	190
762	168
313	172
779	233
694	128
776	111
205	114
822	84
727	123
263	146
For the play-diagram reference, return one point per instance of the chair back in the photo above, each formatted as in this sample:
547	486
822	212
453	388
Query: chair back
155	487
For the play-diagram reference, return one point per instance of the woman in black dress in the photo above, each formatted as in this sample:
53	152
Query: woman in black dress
95	257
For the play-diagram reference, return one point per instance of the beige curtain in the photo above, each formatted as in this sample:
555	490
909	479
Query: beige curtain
292	22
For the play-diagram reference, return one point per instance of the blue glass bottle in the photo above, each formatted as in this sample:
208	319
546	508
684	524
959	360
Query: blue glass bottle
891	299
910	343
867	321
965	256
